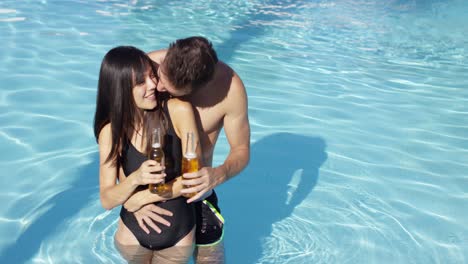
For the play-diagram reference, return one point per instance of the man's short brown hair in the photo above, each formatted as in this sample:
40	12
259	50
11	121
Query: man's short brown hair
190	62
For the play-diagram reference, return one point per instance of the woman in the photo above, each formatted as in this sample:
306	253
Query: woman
128	107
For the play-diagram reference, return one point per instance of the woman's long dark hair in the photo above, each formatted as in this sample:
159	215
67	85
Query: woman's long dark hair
122	68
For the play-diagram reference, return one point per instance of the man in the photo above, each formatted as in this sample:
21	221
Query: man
190	69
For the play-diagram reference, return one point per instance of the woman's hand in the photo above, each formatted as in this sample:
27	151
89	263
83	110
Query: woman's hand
148	173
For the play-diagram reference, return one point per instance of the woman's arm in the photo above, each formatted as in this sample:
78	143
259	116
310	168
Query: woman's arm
183	120
139	199
111	193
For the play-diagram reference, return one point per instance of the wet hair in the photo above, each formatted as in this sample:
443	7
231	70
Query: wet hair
122	69
190	63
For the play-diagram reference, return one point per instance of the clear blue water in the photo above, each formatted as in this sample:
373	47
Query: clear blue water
359	115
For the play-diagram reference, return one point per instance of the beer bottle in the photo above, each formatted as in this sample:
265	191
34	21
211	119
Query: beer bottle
157	154
190	160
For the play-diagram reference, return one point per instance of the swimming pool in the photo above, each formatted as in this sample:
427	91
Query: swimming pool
358	112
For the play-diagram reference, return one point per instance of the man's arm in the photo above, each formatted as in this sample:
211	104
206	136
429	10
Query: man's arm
237	129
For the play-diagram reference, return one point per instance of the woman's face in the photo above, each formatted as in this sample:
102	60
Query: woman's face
144	93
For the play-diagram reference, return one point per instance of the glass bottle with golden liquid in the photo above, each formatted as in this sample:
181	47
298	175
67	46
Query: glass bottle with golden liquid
157	154
190	159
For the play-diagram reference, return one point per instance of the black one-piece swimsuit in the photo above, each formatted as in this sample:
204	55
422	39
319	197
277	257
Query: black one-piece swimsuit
183	219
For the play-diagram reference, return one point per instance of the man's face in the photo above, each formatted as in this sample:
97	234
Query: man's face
165	85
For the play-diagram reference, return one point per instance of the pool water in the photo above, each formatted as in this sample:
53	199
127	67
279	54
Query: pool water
358	111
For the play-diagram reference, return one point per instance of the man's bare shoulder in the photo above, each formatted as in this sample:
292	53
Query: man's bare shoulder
157	55
235	97
237	89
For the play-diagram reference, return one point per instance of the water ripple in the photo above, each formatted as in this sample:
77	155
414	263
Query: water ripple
381	83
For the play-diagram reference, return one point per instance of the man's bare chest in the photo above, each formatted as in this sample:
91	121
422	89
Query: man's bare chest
210	119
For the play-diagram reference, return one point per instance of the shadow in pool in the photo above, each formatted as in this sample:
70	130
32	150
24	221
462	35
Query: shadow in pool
64	206
253	26
283	171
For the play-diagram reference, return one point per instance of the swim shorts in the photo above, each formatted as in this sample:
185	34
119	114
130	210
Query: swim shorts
209	221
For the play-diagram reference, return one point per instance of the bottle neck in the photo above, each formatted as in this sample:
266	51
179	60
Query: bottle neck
156	138
190	148
190	155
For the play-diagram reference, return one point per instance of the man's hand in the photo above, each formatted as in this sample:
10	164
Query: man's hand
149	214
200	182
134	203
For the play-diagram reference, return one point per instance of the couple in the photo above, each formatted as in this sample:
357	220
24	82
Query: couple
182	89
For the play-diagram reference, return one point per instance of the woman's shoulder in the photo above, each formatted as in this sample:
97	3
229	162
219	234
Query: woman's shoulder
181	113
178	106
105	135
